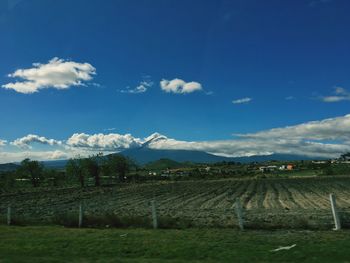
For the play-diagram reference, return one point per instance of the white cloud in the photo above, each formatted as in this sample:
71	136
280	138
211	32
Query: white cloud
326	138
179	86
335	98
6	157
290	98
107	142
25	141
249	147
3	142
143	86
110	129
327	129
57	73
56	155
243	100
340	94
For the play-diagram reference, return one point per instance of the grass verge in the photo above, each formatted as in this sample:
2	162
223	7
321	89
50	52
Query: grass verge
59	244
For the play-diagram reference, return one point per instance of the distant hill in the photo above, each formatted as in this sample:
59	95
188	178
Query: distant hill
273	157
7	167
56	164
145	155
163	164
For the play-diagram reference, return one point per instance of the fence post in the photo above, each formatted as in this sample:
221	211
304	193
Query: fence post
238	208
81	212
335	212
9	215
154	214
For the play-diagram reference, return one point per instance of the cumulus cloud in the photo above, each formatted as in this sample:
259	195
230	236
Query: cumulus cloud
56	155
243	100
326	138
179	86
249	147
107	142
328	129
57	73
25	141
340	94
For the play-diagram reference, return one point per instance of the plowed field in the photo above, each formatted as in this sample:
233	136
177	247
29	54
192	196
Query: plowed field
294	202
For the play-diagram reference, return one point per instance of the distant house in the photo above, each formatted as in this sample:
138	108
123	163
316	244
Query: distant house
319	162
283	167
288	167
174	172
269	168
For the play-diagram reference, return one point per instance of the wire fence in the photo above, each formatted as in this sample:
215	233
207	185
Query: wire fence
81	213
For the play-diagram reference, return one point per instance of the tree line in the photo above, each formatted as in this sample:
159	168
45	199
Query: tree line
115	167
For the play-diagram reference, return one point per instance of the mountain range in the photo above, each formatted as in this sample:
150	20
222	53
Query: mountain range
145	154
148	153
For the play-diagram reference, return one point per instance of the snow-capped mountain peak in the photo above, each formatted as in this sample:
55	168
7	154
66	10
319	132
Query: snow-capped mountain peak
155	137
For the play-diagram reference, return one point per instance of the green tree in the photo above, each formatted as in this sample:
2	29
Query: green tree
92	168
7	179
33	170
106	171
345	156
75	169
118	165
53	176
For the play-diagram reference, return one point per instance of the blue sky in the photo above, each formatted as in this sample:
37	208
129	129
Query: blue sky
287	62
